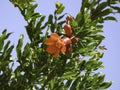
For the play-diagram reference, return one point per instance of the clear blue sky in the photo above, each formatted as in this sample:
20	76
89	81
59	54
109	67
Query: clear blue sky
12	20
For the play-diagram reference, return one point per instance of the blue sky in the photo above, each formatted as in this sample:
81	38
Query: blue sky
12	20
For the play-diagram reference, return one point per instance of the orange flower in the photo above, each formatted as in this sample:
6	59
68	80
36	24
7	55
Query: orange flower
55	45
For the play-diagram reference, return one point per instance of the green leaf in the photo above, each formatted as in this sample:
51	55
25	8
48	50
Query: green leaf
78	18
19	46
116	8
86	49
101	6
110	18
34	6
3	37
61	23
40	22
99	26
50	23
50	19
69	75
105	85
8	35
90	5
68	83
27	50
105	12
8	52
6	46
93	64
74	24
96	31
101	78
113	1
84	3
60	17
102	48
75	83
82	65
61	31
98	37
90	64
102	13
1	43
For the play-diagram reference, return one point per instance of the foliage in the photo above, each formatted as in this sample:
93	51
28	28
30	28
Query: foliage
76	70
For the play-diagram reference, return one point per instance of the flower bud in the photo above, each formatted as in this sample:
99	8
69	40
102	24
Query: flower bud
69	48
75	39
69	19
66	40
68	30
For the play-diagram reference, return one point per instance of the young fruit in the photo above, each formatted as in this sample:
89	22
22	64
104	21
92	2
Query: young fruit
68	30
58	5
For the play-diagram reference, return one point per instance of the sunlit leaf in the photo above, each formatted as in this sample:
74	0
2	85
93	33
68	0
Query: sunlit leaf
27	50
19	47
6	46
8	52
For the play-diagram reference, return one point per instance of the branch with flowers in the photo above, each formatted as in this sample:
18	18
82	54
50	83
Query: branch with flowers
64	44
64	52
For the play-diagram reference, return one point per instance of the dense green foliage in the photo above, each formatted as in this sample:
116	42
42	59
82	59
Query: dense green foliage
37	69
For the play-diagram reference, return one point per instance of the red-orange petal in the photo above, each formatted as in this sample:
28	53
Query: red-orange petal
63	49
51	49
53	38
55	35
50	41
56	53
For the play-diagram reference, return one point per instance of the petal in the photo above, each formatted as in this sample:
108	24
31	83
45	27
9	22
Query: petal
69	48
56	53
51	49
53	38
63	49
55	35
59	44
66	40
50	41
